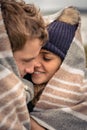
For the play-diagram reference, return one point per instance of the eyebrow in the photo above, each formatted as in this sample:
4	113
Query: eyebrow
29	59
46	53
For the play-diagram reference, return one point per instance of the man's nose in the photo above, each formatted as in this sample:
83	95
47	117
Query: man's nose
37	63
30	69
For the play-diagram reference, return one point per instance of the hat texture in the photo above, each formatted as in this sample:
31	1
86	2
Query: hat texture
61	35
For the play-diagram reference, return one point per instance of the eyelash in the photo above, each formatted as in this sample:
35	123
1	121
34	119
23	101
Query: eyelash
46	59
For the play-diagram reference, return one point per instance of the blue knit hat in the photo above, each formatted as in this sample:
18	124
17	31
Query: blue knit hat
61	35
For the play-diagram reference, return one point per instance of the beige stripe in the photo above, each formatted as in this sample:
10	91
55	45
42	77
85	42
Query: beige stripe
65	94
23	116
4	73
4	44
70	77
10	118
2	29
60	100
71	70
73	89
11	98
45	105
5	54
5	82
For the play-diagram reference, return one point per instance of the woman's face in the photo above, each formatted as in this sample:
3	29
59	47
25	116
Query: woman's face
46	65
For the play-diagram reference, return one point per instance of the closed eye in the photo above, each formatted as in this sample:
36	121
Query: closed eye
46	59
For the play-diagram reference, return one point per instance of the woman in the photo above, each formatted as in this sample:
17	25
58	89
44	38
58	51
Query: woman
60	76
61	33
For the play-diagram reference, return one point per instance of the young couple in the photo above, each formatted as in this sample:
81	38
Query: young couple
62	101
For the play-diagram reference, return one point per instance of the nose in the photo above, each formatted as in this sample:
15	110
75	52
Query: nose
30	69
37	63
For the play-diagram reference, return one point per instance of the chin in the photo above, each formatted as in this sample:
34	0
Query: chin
37	82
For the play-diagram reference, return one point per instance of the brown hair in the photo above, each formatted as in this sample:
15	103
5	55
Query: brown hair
22	21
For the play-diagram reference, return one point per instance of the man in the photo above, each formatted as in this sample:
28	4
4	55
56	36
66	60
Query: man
22	34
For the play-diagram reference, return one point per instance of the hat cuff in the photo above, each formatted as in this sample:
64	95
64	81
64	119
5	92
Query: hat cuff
50	47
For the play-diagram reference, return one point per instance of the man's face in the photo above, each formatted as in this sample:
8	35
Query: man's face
25	58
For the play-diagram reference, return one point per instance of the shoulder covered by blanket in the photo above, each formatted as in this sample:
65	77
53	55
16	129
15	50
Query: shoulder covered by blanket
13	109
63	103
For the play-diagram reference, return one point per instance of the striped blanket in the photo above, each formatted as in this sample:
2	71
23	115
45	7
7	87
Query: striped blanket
13	110
63	103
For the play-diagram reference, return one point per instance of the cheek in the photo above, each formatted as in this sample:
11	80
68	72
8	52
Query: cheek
53	69
20	66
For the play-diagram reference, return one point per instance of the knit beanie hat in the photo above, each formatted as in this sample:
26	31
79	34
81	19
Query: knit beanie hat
61	35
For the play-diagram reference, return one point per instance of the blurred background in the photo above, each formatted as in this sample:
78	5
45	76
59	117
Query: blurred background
49	6
52	6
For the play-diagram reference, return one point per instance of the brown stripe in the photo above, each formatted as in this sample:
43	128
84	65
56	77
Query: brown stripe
4	44
24	116
57	101
67	76
44	105
12	96
65	86
6	84
7	111
64	94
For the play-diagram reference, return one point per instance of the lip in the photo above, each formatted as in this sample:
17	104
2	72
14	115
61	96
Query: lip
38	73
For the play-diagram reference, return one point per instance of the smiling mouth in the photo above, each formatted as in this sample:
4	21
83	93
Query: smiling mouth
38	72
